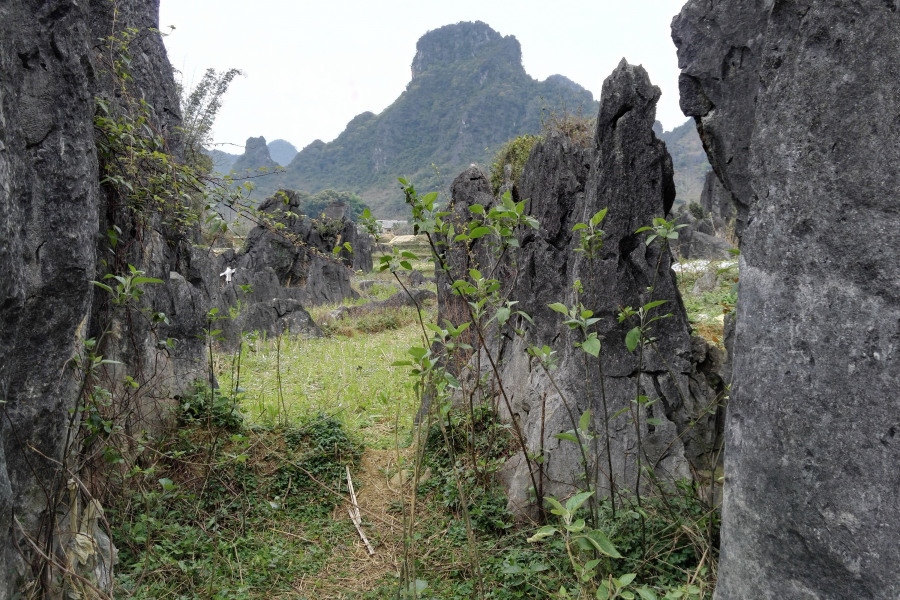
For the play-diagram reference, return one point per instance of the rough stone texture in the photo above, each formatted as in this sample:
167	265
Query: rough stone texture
702	239
47	167
798	104
299	255
53	221
716	200
50	207
629	171
711	237
360	257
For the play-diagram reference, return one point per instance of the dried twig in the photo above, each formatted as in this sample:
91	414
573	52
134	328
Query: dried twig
354	514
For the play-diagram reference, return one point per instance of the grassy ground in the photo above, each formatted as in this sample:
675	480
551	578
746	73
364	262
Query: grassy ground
249	498
348	376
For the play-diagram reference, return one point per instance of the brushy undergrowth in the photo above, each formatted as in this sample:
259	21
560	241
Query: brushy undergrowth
514	153
241	518
706	310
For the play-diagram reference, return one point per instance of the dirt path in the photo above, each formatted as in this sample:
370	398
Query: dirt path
350	569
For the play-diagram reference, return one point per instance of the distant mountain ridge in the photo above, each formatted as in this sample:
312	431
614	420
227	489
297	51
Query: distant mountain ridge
468	94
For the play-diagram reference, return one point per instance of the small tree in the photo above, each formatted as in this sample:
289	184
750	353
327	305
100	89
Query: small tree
199	108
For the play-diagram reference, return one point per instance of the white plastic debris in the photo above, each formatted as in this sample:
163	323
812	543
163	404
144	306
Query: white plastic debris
228	273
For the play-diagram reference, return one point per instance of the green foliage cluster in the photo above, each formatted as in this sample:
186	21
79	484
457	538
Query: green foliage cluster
697	210
314	204
199	108
195	531
514	153
212	407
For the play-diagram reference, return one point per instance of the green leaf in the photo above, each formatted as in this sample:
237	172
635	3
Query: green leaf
559	307
601	543
650	238
627	579
479	232
598	218
418	352
646	593
477	209
571	437
579	226
452	381
576	527
140	280
585	421
651	305
475	274
654	421
542	533
633	338
557	507
575	502
591	346
735	251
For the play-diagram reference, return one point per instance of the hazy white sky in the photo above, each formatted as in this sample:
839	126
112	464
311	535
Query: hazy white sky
312	66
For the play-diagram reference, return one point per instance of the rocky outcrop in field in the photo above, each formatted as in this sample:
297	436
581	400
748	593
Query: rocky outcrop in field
628	171
797	105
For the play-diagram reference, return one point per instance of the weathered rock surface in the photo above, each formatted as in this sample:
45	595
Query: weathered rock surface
629	172
47	167
716	200
54	218
359	258
702	239
797	104
712	236
50	206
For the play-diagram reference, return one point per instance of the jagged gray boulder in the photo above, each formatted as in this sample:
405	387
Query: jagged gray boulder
629	172
359	257
797	104
716	200
51	203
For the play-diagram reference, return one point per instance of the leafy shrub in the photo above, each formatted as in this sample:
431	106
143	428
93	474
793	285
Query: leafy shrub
697	210
575	126
211	406
319	450
329	229
515	153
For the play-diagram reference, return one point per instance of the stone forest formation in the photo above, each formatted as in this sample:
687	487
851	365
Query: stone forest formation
788	427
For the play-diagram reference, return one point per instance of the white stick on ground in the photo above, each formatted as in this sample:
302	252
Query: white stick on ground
354	514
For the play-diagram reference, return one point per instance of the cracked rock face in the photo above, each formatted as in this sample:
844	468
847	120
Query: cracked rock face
628	171
797	104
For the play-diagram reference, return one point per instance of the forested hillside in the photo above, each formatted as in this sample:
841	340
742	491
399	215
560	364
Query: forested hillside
469	94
